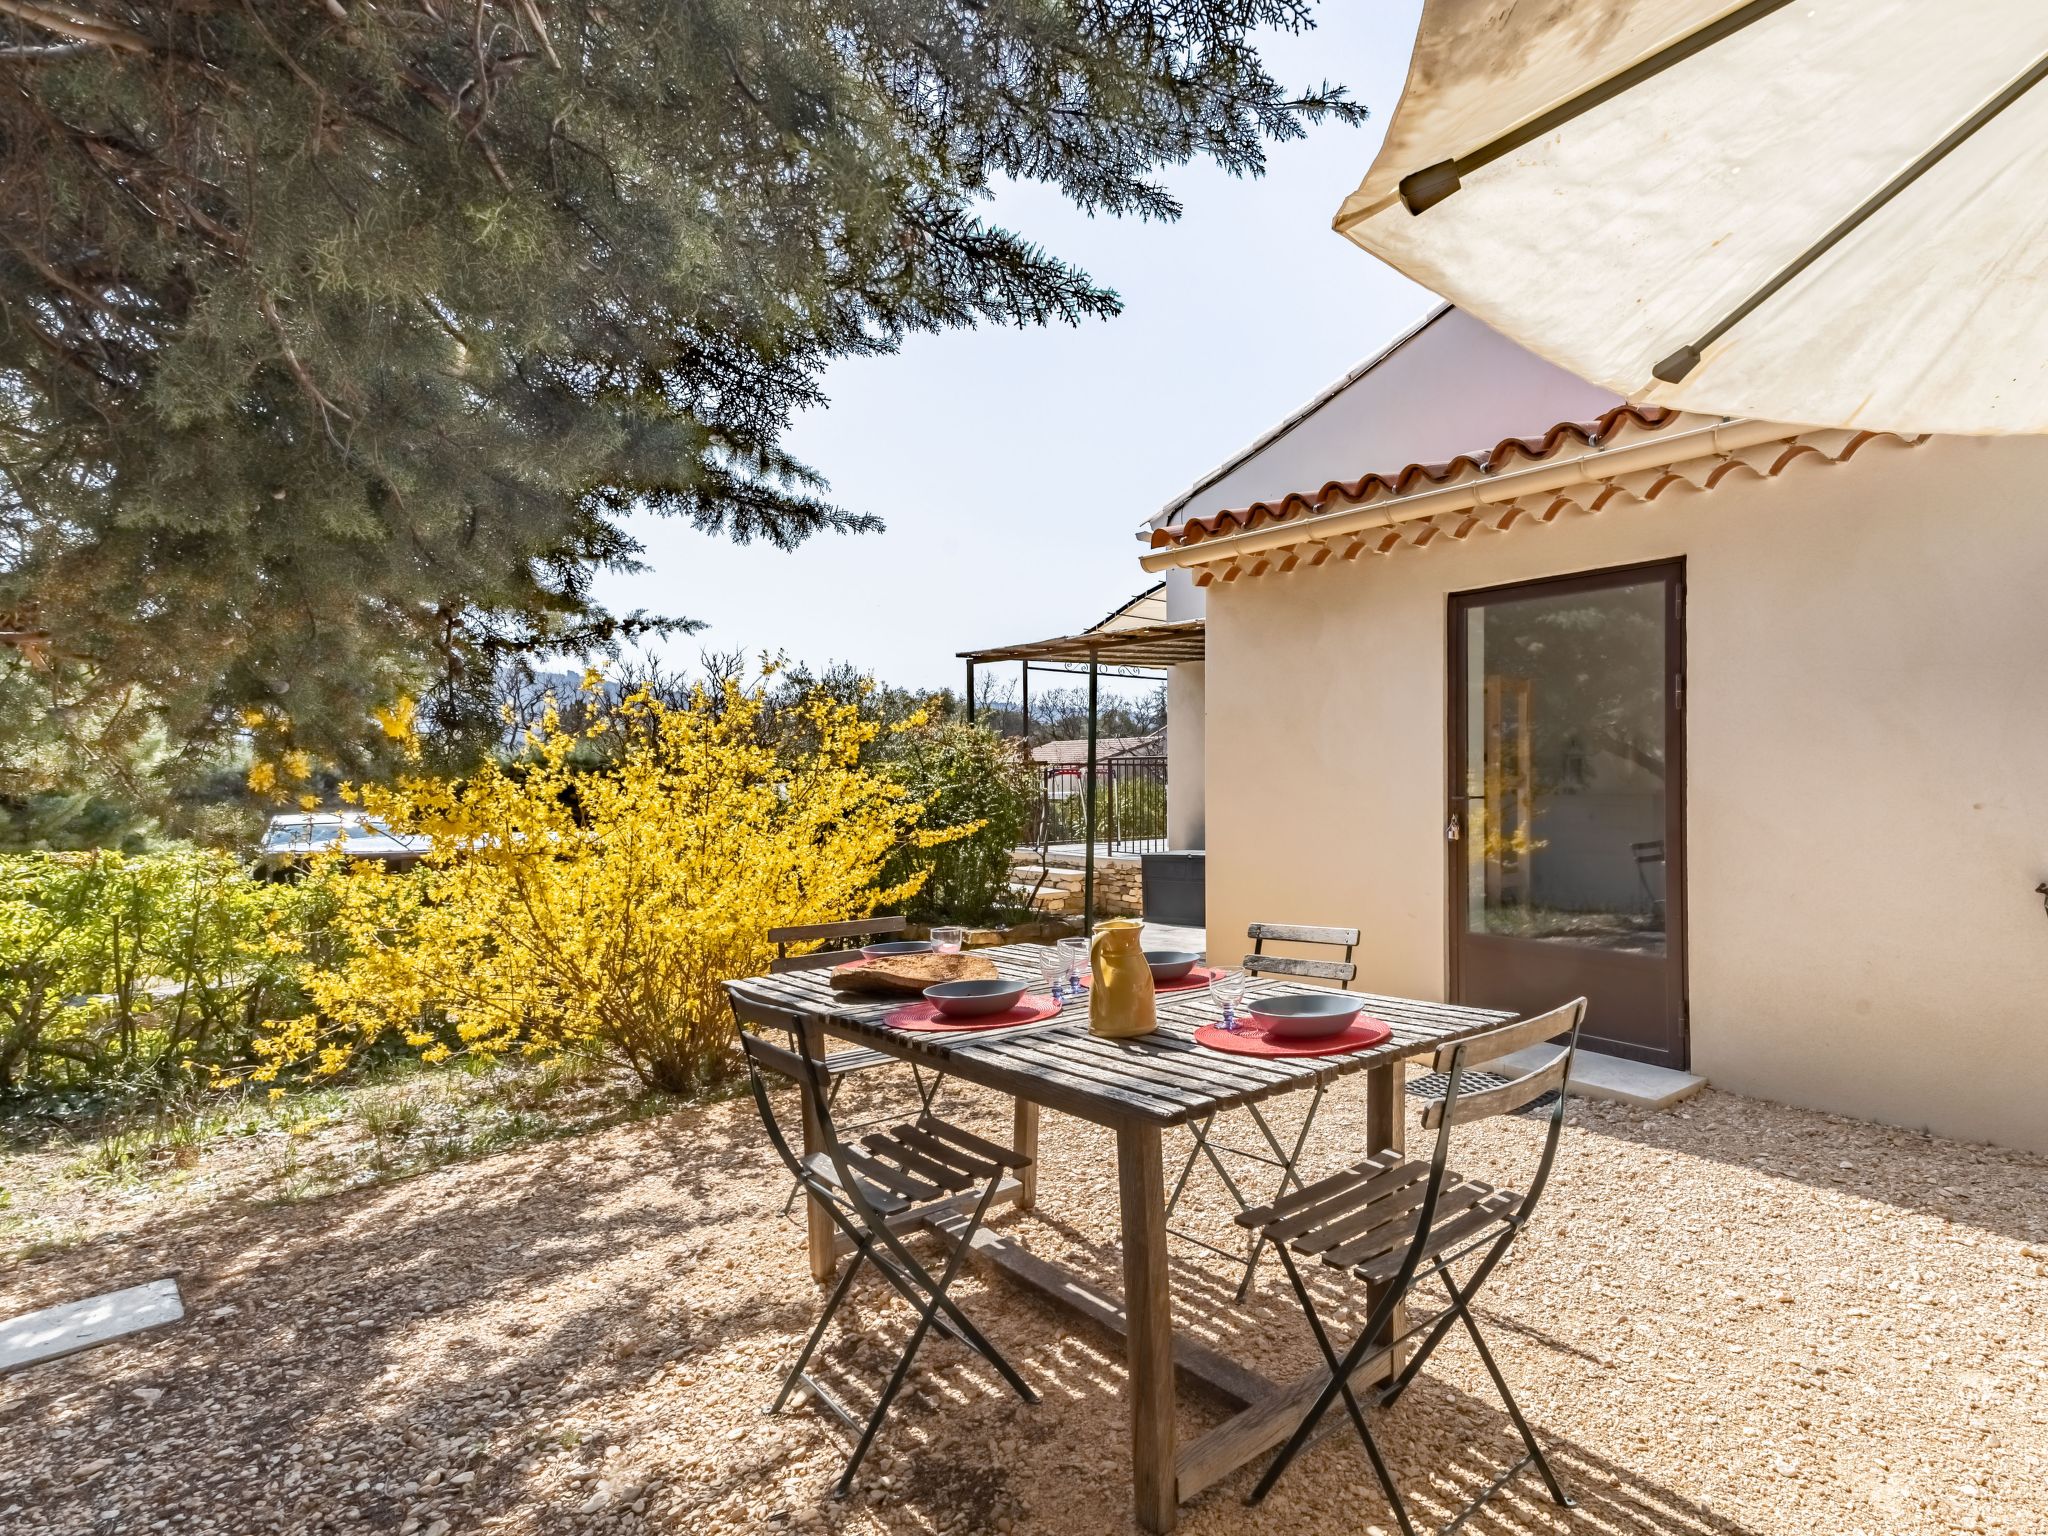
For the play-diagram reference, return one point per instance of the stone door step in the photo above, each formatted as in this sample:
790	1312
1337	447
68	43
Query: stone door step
1595	1076
74	1325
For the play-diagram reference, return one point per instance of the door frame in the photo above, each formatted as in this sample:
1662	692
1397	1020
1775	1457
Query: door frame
1676	864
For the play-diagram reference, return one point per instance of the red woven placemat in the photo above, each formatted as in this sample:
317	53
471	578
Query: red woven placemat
925	1018
1200	976
1361	1035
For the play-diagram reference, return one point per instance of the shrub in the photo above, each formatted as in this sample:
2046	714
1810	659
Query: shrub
115	965
563	907
966	776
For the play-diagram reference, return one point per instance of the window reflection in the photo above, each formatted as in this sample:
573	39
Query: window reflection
1565	767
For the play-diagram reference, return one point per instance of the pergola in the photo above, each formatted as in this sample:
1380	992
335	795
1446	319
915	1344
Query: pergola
1136	639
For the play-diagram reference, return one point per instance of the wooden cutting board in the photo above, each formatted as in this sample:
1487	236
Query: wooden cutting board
909	975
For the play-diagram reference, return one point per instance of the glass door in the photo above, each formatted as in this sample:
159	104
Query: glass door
1566	803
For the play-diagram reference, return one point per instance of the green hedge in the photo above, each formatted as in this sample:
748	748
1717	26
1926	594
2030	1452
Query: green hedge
159	965
964	773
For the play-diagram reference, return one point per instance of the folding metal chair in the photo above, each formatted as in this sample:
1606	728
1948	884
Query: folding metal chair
891	1180
1390	1222
838	941
1276	1154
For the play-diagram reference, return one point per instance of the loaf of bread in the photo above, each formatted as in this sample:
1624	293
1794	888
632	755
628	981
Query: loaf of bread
909	975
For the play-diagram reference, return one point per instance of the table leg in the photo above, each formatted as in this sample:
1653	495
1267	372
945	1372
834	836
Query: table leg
1024	1139
1386	1130
1148	1310
818	1230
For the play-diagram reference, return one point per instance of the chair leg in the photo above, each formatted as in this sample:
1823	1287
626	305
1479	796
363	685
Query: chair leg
1500	1384
956	1324
1391	1394
797	1185
803	1359
1339	1385
926	1311
1289	1174
1198	1128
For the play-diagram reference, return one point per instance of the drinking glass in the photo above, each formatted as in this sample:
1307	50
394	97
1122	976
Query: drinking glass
1076	951
1228	989
1052	970
949	941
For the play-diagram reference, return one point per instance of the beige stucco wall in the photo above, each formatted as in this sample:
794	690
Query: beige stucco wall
1187	721
1867	786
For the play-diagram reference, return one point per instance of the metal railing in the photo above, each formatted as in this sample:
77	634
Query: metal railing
1130	804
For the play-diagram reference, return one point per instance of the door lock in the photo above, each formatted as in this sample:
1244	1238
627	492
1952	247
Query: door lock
1451	828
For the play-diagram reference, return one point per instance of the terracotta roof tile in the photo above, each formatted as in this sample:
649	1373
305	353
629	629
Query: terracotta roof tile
1508	453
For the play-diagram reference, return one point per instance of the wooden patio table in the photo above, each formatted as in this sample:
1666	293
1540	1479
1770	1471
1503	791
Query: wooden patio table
1137	1088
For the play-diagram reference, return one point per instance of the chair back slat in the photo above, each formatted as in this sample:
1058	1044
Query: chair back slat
1259	963
1458	1060
1296	933
773	1058
761	1015
1509	1038
1341	971
1503	1098
856	928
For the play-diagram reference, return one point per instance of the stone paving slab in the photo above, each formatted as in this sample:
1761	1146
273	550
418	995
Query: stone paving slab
74	1325
1595	1076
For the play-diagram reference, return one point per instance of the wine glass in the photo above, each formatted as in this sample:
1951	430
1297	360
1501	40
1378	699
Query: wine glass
1076	952
1228	988
1052	970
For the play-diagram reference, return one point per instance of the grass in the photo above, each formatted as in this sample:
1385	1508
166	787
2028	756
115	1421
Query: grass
397	1120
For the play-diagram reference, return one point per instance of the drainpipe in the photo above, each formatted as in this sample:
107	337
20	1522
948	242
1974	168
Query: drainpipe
1655	452
1088	814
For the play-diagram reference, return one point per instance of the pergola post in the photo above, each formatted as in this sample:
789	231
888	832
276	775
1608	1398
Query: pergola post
1088	814
970	693
1024	725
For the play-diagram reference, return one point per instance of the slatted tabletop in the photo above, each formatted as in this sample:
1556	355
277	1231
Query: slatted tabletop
1165	1078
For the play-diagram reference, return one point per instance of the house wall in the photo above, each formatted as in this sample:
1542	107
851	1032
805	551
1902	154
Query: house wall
1187	712
1867	813
1454	385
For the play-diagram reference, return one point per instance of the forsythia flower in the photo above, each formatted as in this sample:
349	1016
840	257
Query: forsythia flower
561	906
397	721
263	776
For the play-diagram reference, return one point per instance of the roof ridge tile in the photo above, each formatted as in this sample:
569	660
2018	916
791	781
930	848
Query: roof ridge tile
1590	434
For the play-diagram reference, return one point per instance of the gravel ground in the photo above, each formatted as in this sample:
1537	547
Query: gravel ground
1730	1320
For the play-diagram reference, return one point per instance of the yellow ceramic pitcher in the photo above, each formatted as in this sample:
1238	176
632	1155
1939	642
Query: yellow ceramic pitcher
1120	1002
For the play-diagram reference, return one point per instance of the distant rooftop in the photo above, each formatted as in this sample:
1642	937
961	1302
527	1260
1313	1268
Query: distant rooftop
1073	753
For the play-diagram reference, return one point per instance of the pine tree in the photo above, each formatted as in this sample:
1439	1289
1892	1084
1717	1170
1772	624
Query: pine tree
339	336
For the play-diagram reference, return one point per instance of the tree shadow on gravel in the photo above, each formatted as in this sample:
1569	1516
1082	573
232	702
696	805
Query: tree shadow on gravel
1445	1447
378	1325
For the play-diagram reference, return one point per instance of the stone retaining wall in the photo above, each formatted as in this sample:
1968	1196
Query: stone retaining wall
1119	885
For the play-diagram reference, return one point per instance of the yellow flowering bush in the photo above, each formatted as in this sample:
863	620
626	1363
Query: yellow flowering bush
566	905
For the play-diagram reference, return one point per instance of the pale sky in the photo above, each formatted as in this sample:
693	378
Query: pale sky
1013	468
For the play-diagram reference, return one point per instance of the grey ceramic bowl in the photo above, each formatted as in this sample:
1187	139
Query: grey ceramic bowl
1171	964
1303	1015
896	947
973	999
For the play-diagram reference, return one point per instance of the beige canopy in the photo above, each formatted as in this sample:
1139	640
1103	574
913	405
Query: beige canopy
1828	211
